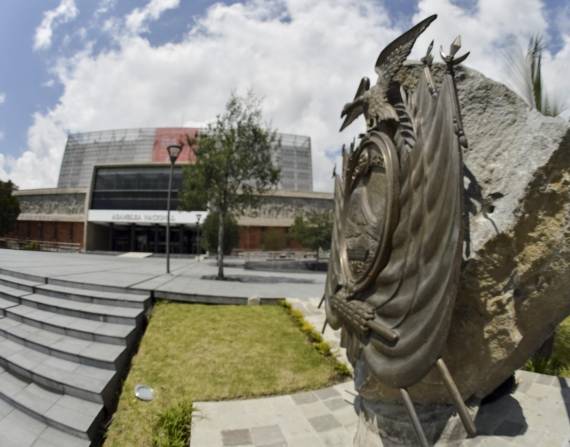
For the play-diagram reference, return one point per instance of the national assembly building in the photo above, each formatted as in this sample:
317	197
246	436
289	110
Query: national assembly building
112	196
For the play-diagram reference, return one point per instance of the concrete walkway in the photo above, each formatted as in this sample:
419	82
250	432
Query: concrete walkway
148	274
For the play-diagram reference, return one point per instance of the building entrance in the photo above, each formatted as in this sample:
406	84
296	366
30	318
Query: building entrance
151	239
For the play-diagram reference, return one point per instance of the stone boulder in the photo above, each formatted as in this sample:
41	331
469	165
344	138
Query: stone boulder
515	285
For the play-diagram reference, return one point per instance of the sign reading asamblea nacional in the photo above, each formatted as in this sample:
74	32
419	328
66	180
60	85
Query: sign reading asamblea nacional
146	217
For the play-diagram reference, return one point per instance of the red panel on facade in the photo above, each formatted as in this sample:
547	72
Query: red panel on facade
164	137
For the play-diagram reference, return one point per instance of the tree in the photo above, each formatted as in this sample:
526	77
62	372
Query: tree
525	71
9	207
210	233
233	164
314	231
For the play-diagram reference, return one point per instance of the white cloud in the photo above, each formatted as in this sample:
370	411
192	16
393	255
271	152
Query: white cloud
3	173
63	13
138	19
2	97
38	166
305	57
487	33
104	7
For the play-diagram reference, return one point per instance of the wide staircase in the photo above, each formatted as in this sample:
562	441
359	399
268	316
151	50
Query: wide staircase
64	350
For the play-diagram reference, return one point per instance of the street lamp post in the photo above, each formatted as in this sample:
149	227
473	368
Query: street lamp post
173	153
198	217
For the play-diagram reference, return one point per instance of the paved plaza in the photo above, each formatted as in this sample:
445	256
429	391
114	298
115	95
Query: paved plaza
535	415
148	274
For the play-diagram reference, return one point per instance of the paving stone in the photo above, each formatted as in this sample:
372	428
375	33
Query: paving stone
27	359
541	391
10	385
305	441
523	387
202	437
19	430
304	398
5	409
336	404
37	398
526	376
52	437
69	417
294	425
103	351
236	437
327	393
346	416
269	435
324	423
336	438
544	379
314	409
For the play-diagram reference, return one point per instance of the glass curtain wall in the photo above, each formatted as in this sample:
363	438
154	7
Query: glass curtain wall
135	188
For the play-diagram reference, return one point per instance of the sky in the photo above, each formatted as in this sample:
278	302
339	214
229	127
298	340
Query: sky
85	65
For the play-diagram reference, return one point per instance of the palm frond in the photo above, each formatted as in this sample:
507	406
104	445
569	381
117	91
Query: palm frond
525	73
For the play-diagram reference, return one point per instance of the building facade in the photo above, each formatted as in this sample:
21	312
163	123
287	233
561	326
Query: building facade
112	195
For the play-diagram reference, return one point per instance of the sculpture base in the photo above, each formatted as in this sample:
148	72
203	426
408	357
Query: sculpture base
382	424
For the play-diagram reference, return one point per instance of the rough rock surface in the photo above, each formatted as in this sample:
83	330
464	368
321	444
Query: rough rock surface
515	285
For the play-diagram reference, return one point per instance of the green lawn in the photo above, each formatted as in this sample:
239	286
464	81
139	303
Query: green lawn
198	352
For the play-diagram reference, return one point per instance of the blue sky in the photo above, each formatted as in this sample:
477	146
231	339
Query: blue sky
80	65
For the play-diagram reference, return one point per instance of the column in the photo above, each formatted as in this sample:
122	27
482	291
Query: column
132	238
156	227
111	235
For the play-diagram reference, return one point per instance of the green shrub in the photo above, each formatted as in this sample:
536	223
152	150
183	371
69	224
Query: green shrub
31	245
324	348
172	428
274	239
209	232
9	207
342	370
559	362
314	337
550	366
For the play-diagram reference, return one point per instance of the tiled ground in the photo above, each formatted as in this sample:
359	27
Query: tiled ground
311	419
535	415
149	274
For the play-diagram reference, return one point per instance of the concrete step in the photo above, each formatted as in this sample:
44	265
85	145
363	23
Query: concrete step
96	297
12	293
113	333
19	283
89	311
58	375
67	414
101	355
64	349
17	429
5	304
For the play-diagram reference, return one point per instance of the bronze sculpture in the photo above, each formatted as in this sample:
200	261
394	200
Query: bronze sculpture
398	234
